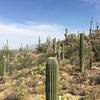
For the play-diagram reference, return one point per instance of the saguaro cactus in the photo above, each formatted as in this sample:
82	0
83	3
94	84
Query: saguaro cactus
27	48
5	65
82	52
39	44
63	51
52	71
91	61
58	52
91	23
54	47
66	36
21	48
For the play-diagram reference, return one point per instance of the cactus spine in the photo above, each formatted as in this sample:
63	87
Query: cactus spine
82	52
52	79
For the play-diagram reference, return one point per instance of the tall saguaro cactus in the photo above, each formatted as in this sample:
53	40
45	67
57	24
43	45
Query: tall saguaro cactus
21	48
63	51
82	52
5	65
58	52
91	22
52	71
91	61
54	47
66	36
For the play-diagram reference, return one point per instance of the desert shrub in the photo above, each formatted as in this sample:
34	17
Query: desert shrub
38	70
35	62
42	48
20	91
25	61
40	89
64	62
42	59
71	50
1	68
95	95
96	50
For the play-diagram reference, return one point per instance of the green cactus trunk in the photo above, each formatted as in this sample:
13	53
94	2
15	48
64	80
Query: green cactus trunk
91	61
59	51
82	52
63	52
52	71
54	47
1	68
8	66
5	66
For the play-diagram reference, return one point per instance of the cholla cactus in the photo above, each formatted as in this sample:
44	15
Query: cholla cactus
52	71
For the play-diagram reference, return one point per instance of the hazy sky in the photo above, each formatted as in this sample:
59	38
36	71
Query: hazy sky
24	20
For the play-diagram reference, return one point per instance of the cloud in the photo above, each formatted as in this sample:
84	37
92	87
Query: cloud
28	33
95	3
30	29
92	1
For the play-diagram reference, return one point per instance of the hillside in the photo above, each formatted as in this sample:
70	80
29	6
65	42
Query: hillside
69	68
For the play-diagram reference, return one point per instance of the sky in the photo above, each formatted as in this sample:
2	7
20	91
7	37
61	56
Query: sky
25	20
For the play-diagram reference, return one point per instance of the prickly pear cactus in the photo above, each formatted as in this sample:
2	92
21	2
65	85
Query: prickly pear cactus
52	71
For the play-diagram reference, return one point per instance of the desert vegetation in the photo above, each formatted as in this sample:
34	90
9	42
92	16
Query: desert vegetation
67	69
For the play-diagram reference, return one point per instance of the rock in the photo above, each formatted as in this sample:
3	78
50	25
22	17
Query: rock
28	97
2	80
69	96
11	97
4	94
38	97
94	79
82	93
